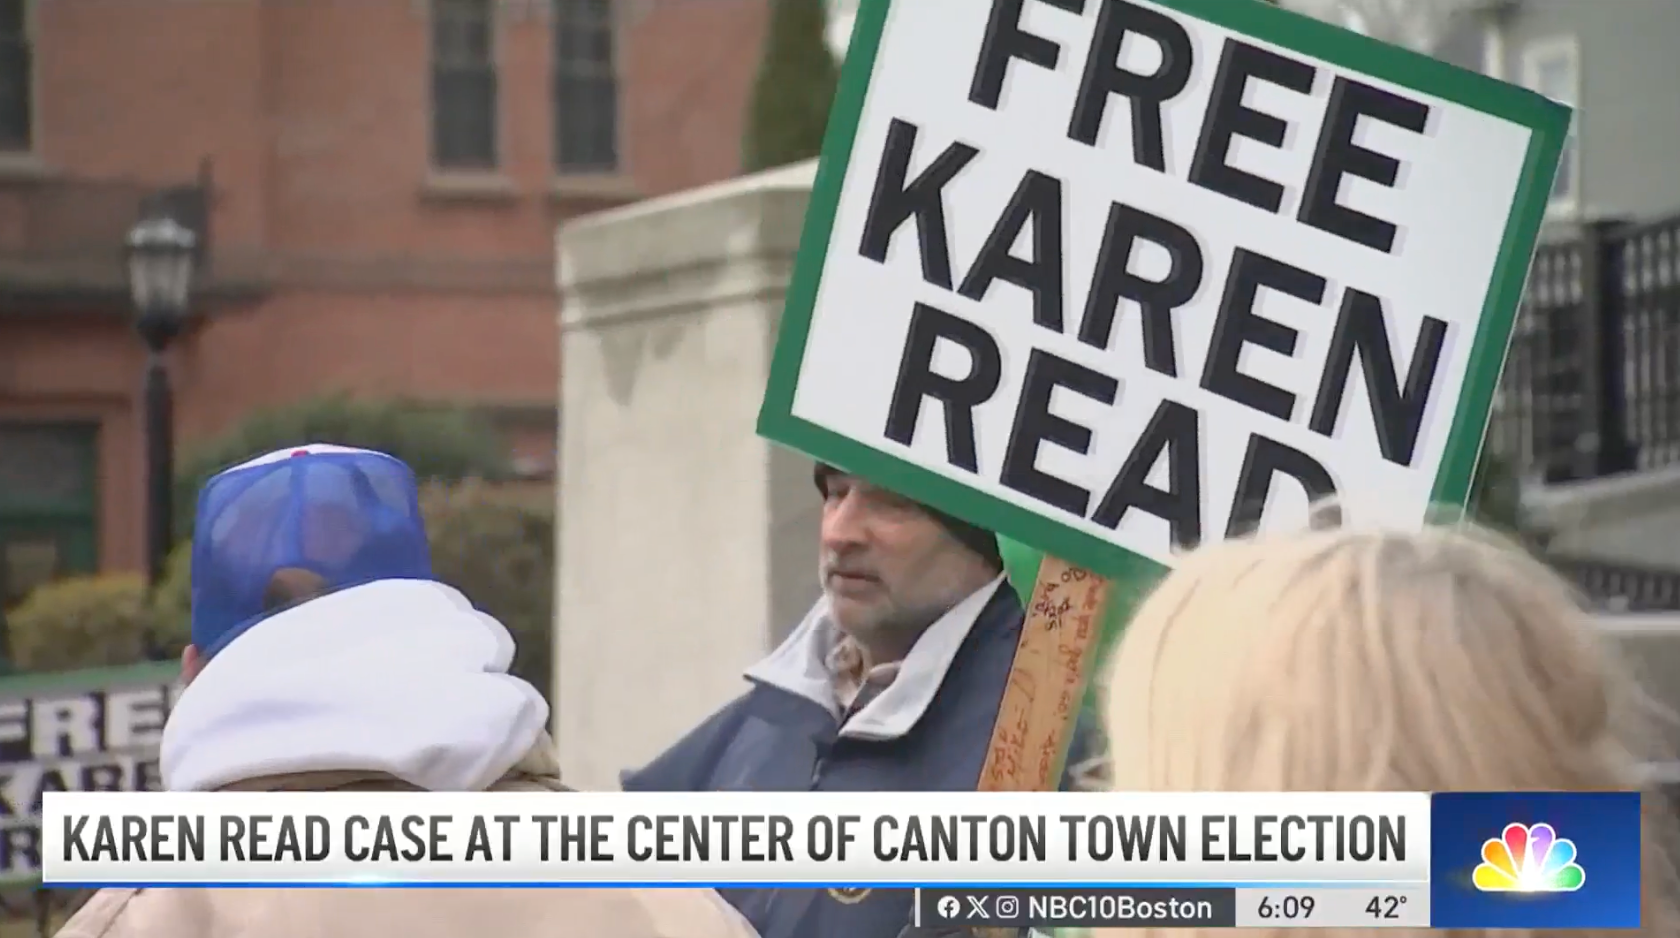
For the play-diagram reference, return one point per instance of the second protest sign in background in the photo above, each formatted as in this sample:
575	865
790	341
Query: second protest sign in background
1113	278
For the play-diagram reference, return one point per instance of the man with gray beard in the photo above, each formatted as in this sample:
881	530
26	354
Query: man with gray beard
891	683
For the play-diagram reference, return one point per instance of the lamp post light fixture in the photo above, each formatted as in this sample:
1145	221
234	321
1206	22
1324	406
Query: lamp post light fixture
162	254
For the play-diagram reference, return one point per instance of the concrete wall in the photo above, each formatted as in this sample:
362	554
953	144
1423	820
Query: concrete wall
1651	646
1632	518
686	543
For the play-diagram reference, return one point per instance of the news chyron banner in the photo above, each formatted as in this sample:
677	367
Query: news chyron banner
1022	859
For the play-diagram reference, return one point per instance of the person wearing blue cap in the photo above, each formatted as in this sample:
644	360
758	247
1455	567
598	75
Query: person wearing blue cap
326	657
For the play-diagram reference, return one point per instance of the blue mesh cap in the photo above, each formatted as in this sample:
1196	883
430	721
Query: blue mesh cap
349	516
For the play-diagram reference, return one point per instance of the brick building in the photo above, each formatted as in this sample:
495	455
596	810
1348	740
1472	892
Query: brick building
377	183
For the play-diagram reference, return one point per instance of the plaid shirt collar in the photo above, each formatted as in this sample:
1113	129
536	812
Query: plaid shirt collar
888	701
852	672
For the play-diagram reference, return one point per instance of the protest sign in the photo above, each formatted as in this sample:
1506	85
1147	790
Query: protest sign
93	730
1111	278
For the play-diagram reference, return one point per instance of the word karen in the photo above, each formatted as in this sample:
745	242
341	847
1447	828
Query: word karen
1359	319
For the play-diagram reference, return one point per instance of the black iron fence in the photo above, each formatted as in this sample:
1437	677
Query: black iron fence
1620	587
1592	384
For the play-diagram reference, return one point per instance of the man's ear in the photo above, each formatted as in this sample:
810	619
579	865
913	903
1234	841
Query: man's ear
191	663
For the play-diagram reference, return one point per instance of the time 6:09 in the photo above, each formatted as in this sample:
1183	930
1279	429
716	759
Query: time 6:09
1288	907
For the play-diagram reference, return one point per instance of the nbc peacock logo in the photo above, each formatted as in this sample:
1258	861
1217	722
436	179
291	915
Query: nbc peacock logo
1529	859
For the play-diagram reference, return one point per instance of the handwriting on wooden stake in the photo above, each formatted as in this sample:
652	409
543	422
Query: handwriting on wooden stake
1036	717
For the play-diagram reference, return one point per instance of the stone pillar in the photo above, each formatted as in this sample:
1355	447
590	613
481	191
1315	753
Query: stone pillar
687	543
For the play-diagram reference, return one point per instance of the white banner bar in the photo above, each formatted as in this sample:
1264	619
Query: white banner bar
866	839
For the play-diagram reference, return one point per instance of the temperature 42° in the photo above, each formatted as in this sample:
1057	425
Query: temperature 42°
1384	906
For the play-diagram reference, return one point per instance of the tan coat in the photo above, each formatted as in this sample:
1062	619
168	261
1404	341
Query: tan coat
407	913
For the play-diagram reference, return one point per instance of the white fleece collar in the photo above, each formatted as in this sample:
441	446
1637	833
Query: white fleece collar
800	667
401	677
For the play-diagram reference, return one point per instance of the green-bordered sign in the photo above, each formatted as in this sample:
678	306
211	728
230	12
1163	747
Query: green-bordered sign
1111	278
94	730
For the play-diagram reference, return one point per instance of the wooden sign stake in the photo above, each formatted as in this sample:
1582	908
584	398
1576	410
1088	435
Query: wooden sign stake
1047	683
1041	702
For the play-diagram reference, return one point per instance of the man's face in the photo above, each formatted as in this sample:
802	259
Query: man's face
888	568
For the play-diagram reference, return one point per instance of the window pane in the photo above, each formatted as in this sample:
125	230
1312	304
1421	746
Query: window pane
598	48
1556	80
568	48
585	87
46	465
461	42
12	18
461	10
464	118
461	32
583	12
583	50
587	128
14	94
1563	185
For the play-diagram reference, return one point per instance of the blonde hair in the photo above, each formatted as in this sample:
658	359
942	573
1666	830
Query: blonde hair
1346	660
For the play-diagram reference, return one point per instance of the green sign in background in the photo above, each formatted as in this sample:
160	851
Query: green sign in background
18	823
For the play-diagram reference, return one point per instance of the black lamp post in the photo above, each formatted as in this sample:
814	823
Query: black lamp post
161	256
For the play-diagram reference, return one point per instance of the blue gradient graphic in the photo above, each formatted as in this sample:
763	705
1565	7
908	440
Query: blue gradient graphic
1604	826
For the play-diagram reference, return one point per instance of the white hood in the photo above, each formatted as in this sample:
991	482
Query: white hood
401	677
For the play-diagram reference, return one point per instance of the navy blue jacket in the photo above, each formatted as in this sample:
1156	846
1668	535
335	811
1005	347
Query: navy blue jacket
772	739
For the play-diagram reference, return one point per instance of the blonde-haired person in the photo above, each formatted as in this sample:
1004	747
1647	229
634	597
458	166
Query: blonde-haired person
1346	660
